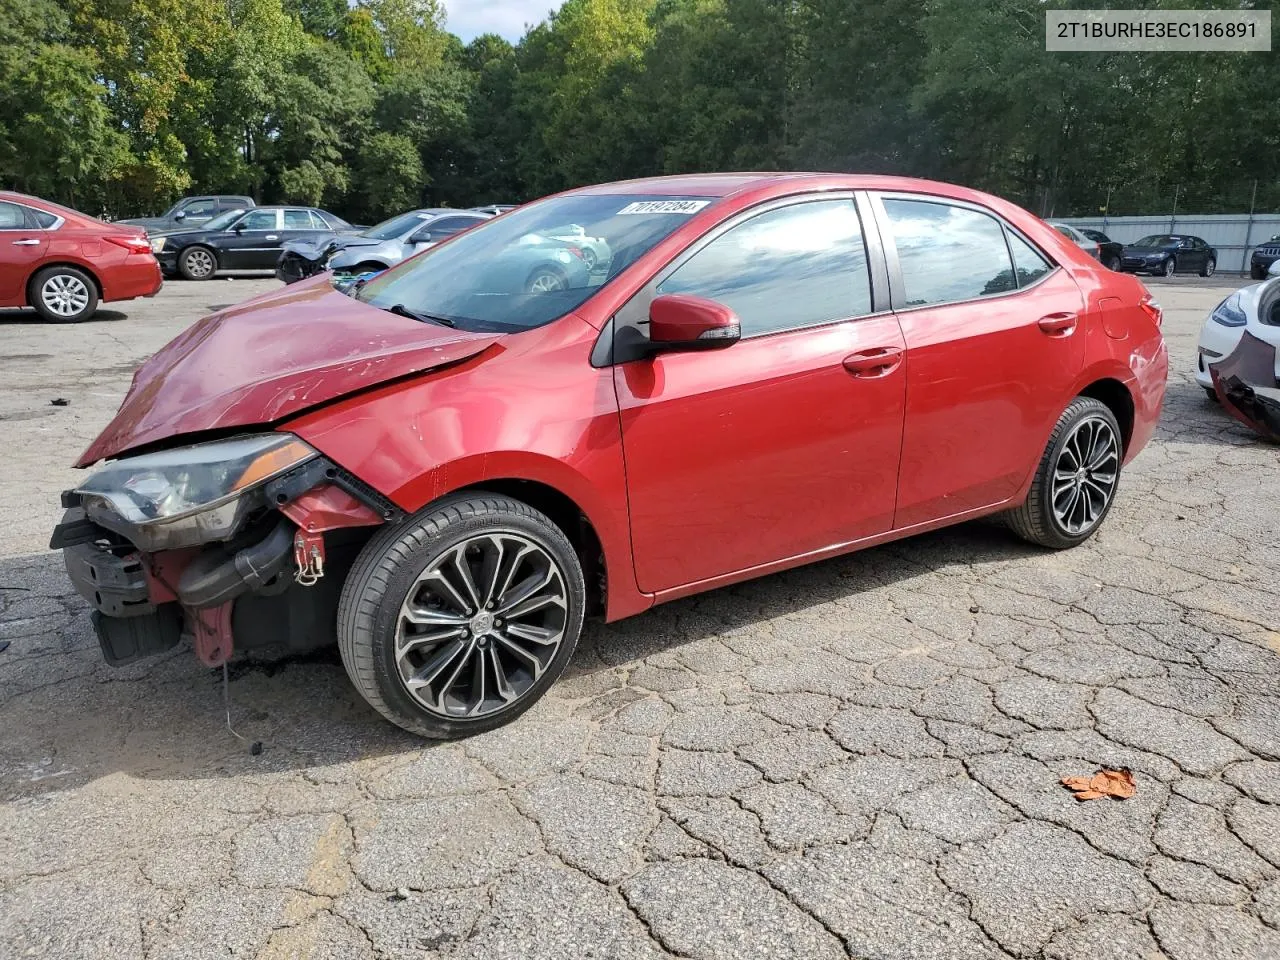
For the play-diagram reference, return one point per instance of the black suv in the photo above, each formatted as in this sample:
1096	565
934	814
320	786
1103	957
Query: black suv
1263	257
189	212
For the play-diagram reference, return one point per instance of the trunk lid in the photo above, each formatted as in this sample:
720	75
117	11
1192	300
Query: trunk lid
261	361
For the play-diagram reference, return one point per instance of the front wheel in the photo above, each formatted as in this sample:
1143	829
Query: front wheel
1257	272
460	619
1210	265
1170	267
197	263
1077	479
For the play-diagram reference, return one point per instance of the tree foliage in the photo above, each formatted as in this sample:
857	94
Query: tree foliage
371	107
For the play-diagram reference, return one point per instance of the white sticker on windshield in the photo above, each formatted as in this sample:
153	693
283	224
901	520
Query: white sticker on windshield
686	207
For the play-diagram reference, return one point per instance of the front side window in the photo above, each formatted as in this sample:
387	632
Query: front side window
200	208
258	220
12	216
509	274
948	253
797	266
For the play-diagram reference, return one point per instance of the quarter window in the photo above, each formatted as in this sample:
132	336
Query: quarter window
797	266
41	218
948	253
1027	261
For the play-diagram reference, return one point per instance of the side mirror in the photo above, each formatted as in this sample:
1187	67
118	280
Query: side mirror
679	321
180	215
238	229
1274	269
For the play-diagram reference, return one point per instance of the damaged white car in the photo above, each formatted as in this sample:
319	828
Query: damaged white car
1236	360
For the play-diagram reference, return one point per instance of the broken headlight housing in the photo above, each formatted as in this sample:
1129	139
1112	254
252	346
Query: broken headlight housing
189	495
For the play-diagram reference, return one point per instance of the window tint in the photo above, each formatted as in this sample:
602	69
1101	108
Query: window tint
948	253
1028	262
200	208
12	216
41	218
259	220
796	266
297	220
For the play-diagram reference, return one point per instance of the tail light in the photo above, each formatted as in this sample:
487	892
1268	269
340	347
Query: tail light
1151	309
131	243
577	252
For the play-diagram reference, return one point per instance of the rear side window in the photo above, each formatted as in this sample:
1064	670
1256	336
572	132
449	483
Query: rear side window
12	216
297	220
948	253
1027	261
797	266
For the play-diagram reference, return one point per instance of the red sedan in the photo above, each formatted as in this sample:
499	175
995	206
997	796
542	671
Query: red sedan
64	263
449	465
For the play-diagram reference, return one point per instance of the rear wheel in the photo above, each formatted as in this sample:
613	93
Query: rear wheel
460	619
64	294
546	280
197	263
1077	479
1210	265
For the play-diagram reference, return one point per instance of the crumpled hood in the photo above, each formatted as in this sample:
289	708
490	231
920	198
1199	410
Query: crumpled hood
314	249
271	357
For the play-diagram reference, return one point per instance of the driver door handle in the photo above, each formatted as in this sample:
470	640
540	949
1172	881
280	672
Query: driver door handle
26	243
874	363
1058	324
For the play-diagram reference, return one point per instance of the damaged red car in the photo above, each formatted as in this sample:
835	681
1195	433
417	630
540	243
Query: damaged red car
446	467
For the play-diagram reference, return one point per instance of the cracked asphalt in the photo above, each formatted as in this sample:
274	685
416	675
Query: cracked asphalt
860	758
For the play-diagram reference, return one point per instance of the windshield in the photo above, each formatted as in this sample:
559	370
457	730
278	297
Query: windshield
389	229
519	271
1156	240
222	220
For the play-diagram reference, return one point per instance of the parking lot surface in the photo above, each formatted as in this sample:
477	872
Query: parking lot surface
860	758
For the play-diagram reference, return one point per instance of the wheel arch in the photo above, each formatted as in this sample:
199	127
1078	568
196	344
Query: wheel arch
1118	399
29	290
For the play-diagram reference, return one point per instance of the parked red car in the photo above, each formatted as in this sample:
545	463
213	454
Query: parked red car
451	464
64	263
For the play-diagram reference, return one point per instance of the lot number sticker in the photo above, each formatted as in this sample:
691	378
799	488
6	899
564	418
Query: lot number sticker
686	207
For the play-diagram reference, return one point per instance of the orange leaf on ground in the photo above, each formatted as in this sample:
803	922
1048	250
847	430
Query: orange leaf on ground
1117	784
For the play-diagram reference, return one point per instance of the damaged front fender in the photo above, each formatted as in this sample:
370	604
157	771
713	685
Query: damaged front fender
1248	385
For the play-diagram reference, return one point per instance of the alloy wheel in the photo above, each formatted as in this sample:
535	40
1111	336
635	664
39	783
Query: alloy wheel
481	624
546	282
199	264
1210	267
1085	476
1169	267
64	294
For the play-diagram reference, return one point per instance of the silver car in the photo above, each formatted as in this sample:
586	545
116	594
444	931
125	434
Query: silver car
379	246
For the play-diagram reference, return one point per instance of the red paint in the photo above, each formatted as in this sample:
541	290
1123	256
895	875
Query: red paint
680	318
695	469
329	508
117	256
272	356
163	571
211	633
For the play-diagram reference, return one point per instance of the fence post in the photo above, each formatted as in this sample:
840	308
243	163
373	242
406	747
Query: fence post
1173	217
1245	265
1106	210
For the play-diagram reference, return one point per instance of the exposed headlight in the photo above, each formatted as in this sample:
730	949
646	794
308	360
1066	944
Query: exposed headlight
157	244
192	494
1230	312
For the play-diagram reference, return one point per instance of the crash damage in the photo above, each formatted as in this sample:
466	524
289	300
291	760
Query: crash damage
1247	384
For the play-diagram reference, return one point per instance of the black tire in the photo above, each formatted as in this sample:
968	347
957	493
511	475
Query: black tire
1113	263
531	285
389	567
1210	265
1257	272
1035	520
1212	394
192	263
64	294
1169	267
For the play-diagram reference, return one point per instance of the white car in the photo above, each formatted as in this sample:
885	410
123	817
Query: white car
1079	239
1241	338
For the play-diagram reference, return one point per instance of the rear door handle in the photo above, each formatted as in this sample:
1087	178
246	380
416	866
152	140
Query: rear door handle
1058	324
874	363
26	243
271	236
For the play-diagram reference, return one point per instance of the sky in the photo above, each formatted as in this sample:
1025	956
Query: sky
507	18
